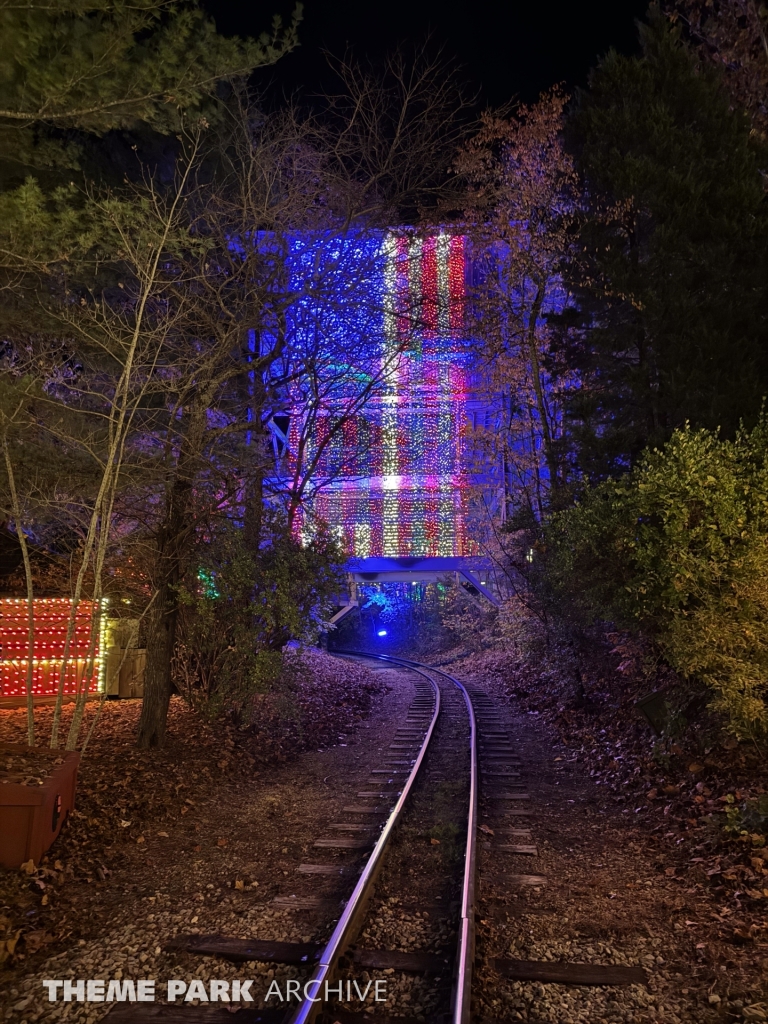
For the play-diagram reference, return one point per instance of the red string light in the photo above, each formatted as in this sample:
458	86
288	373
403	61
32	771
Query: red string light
51	618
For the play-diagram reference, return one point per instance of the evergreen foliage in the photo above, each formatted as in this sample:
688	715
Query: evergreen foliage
98	65
241	606
678	548
674	271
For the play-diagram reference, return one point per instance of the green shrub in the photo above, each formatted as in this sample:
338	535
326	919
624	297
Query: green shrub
679	549
241	607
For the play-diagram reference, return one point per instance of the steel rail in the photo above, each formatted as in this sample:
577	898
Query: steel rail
465	951
346	928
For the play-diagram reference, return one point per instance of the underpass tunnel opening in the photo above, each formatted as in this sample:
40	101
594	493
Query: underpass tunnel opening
388	616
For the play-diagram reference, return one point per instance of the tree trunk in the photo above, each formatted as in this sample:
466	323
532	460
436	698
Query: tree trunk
157	680
172	546
533	355
16	504
163	617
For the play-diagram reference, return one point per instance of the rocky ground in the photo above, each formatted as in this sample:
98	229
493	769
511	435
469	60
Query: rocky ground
620	887
206	835
202	836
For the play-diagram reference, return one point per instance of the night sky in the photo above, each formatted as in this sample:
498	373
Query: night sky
507	50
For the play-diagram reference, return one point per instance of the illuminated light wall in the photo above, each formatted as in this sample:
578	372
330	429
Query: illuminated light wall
51	621
402	489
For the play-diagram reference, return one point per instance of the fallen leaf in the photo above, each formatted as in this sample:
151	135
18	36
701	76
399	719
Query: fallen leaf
34	940
28	866
141	839
221	841
755	1011
435	842
239	885
694	768
164	835
488	831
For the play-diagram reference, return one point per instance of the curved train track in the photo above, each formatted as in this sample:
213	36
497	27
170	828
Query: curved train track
457	734
440	700
350	923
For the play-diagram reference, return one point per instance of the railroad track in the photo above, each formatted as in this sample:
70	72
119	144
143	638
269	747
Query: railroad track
437	697
349	925
450	729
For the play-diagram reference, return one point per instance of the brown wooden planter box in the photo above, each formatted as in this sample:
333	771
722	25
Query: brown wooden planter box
31	816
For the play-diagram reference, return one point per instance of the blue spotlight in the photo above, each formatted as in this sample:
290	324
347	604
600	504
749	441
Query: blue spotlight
382	632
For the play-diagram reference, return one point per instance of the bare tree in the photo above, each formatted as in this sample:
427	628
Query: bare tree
292	221
132	337
520	209
187	310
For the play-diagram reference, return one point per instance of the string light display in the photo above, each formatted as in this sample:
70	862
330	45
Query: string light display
51	619
401	490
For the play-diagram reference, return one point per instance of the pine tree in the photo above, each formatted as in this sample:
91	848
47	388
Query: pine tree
733	36
98	65
73	71
676	285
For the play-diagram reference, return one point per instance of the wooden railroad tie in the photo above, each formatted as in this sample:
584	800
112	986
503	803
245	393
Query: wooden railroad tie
341	843
168	1013
242	951
304	903
305	953
569	974
323	869
346	826
352	1017
516	880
